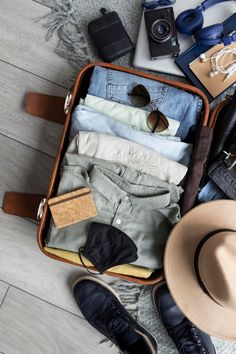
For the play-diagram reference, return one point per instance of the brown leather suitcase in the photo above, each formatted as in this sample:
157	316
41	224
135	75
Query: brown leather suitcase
59	110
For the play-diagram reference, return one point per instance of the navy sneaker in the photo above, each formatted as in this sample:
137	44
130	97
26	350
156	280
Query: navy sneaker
104	311
187	337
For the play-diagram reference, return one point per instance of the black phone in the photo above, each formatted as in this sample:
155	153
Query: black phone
109	36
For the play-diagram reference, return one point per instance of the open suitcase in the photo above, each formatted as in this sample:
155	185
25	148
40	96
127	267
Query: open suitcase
59	110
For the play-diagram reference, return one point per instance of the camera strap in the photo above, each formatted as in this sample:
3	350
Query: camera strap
104	11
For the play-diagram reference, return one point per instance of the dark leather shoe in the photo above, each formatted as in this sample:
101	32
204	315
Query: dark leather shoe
103	310
187	338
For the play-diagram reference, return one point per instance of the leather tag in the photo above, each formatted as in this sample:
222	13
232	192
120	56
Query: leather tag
73	207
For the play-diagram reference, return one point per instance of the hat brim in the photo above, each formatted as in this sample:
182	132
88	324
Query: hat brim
197	306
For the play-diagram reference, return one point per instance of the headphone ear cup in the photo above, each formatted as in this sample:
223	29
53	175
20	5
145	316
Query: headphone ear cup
210	33
189	21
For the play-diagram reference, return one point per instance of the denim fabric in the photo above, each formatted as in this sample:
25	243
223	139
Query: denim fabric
175	103
88	119
224	177
210	192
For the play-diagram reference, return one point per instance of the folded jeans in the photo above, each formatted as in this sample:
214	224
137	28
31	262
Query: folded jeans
210	191
175	103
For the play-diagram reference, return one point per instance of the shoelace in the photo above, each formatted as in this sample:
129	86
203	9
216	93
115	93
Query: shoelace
111	323
186	335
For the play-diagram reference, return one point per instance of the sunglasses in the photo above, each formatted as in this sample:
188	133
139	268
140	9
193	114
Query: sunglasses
156	120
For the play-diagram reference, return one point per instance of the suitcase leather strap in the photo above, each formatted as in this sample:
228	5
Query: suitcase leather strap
52	109
46	106
22	204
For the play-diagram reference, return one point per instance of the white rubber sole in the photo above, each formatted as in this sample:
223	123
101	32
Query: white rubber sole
90	277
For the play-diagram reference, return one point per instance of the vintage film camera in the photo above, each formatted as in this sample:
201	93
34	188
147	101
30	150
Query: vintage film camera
162	34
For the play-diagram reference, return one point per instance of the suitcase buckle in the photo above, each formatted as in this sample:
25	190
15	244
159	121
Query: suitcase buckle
67	102
228	155
40	209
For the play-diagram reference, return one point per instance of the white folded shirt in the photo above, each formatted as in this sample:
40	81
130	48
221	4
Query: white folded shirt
128	153
130	115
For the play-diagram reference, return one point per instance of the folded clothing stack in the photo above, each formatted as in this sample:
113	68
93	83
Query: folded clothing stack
133	173
142	206
175	103
220	180
88	119
130	115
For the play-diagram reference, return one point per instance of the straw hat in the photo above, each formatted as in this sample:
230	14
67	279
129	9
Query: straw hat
200	267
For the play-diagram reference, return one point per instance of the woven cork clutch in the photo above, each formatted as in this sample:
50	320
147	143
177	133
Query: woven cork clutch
73	207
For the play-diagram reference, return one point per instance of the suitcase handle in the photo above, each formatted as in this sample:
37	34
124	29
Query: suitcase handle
22	204
51	108
46	106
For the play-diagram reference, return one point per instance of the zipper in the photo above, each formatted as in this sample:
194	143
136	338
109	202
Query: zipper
41	208
67	102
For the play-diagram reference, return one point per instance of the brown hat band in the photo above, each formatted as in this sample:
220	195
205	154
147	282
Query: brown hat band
196	258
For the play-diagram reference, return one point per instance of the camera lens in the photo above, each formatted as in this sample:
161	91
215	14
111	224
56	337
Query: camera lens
161	30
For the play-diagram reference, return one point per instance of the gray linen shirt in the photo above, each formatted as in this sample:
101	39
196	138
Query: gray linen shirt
142	206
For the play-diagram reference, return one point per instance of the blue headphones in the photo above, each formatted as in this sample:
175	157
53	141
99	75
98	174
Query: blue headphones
190	22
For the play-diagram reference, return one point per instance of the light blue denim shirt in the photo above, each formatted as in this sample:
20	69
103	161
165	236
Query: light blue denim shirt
87	119
175	103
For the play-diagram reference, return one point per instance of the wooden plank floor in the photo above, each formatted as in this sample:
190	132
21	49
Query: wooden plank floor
38	314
